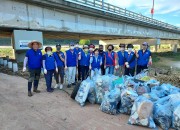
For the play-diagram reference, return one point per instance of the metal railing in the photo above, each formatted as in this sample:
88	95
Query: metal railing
109	8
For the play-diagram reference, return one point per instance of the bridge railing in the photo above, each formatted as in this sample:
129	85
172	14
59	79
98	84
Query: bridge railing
109	8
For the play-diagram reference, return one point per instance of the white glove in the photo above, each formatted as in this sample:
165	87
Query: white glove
117	66
45	71
126	63
79	53
90	67
24	69
104	66
57	70
65	67
127	66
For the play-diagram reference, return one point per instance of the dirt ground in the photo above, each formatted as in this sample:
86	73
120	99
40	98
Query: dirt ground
51	111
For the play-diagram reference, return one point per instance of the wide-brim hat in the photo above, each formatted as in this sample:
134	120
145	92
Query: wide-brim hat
30	44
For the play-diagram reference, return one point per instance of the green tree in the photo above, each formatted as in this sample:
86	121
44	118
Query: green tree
84	42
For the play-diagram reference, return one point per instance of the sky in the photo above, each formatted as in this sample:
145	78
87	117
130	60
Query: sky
164	10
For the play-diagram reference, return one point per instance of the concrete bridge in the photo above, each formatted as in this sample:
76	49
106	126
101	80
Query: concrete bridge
81	19
84	19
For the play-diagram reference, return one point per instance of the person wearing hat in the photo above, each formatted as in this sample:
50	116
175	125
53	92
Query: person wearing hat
34	59
59	57
84	59
49	66
130	61
71	62
91	48
110	60
121	60
102	54
78	50
95	63
143	58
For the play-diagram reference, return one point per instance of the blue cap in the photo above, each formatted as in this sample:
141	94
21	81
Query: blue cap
145	43
71	44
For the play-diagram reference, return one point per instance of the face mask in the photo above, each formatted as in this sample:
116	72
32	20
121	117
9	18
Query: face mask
109	49
96	53
122	49
72	47
91	49
129	49
86	50
49	53
58	49
76	46
100	50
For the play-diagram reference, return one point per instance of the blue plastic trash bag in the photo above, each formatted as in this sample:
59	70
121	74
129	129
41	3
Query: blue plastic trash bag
83	91
176	118
110	102
142	113
92	93
142	88
163	115
164	108
127	100
151	96
117	81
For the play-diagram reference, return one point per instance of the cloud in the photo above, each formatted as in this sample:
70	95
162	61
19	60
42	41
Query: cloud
178	25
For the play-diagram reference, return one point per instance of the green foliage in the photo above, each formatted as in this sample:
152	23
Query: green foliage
84	42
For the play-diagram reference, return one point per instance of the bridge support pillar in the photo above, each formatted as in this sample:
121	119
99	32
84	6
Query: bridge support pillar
174	48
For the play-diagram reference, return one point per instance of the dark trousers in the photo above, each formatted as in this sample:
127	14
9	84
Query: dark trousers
140	68
102	70
61	74
34	75
48	78
84	72
129	71
79	73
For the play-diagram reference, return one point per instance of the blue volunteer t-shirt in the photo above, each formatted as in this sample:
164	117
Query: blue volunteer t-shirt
59	62
34	59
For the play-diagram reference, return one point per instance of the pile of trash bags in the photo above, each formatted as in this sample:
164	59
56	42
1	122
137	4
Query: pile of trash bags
146	100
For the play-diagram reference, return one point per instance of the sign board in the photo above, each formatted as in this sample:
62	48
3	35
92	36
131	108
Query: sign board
158	41
21	38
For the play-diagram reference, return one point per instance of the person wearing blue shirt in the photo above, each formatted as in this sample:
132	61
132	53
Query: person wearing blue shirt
95	63
59	57
143	58
110	60
121	60
71	63
78	50
34	59
49	66
84	58
130	61
102	54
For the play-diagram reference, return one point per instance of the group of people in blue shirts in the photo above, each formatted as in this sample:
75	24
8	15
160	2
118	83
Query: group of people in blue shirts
79	63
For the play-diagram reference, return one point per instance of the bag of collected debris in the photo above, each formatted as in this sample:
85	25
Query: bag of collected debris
153	82
92	93
83	91
110	102
151	96
99	88
142	88
117	81
107	83
165	90
142	113
163	115
127	100
176	118
141	75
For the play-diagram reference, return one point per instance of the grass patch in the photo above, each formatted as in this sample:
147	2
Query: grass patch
173	56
